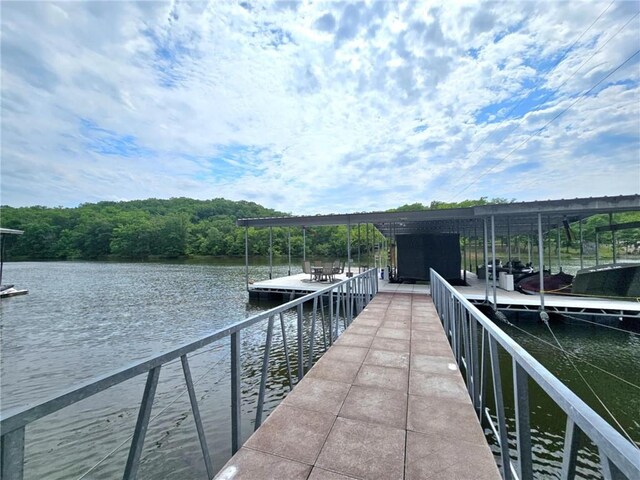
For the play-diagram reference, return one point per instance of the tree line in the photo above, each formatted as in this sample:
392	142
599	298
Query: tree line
183	227
163	228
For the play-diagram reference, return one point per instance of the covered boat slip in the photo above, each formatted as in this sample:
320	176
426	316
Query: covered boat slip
475	291
474	226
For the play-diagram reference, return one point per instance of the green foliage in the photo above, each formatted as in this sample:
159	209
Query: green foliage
437	205
137	229
181	227
171	228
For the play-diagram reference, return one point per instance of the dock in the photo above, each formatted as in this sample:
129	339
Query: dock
475	291
386	401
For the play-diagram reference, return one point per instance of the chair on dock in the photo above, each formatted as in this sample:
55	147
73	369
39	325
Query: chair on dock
328	271
306	268
338	267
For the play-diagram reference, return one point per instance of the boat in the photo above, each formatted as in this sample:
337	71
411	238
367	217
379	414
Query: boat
557	283
11	291
514	267
609	280
8	290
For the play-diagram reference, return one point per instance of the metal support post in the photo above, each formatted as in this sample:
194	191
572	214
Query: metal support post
270	252
300	344
464	251
265	373
235	392
359	262
597	248
486	265
348	247
509	243
312	335
475	365
475	242
494	274
289	242
483	372
331	337
559	249
196	416
541	261
246	257
137	442
286	350
304	244
570	454
609	469
549	241
613	238
12	450
497	393
581	245
523	431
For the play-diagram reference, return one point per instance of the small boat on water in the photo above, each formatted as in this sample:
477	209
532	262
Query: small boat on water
609	280
556	283
11	291
8	290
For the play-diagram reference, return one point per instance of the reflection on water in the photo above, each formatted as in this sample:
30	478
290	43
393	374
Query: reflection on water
83	319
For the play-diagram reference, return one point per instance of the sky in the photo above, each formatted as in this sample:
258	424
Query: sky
318	107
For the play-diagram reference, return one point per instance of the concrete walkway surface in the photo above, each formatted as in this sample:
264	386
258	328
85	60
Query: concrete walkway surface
385	402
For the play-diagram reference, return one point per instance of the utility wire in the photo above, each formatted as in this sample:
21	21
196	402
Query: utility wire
589	386
541	129
544	99
531	89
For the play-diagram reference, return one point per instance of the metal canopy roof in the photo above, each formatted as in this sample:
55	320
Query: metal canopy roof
514	218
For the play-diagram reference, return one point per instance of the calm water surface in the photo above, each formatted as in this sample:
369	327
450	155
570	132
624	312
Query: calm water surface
84	319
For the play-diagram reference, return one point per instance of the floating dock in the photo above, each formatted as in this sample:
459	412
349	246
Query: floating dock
296	285
475	291
386	401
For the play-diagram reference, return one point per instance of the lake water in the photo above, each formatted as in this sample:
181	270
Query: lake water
84	319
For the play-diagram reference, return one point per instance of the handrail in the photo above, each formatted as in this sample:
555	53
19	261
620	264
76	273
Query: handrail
451	306
357	291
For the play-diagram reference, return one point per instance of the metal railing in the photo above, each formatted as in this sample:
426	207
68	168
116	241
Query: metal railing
344	301
464	325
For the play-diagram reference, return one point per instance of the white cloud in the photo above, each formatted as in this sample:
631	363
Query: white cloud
312	108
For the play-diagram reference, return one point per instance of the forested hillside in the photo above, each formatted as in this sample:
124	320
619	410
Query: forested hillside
164	228
180	227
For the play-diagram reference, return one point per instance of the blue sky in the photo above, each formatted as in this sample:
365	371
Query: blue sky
318	107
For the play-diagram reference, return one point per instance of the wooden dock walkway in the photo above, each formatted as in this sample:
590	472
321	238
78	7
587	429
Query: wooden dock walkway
386	402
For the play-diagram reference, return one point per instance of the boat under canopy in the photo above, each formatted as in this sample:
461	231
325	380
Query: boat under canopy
610	280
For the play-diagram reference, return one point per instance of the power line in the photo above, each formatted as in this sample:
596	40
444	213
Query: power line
540	130
545	98
560	59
